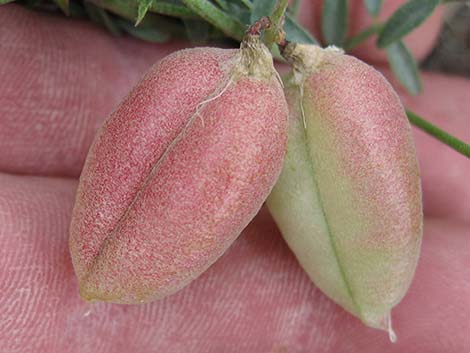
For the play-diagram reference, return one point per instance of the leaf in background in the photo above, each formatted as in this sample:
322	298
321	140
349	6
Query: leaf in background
63	5
227	23
197	30
405	19
172	8
123	8
335	21
101	17
404	67
222	4
359	38
373	6
2	2
77	10
294	8
149	34
247	3
142	9
240	11
262	8
296	33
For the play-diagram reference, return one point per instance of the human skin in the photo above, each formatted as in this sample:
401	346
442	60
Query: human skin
256	298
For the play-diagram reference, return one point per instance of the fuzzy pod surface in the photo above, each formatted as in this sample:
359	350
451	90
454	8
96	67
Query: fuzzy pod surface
348	201
177	171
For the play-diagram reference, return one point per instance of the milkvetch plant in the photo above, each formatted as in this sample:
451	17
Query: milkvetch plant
190	155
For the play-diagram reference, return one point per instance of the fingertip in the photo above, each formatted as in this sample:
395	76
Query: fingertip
59	80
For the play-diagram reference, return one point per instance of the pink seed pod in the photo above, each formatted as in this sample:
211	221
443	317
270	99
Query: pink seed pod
348	201
177	171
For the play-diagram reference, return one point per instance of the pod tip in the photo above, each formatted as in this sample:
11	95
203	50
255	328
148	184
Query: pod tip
391	333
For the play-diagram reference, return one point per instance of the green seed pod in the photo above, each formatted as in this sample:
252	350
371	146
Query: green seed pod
348	201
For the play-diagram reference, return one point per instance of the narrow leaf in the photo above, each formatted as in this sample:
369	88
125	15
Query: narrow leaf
128	8
404	67
335	21
405	19
149	34
222	4
296	33
63	5
361	37
143	7
262	8
172	9
77	10
294	8
240	11
2	2
248	4
197	30
101	17
373	6
216	17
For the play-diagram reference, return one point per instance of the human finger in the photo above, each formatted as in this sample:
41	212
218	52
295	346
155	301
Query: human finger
59	80
256	298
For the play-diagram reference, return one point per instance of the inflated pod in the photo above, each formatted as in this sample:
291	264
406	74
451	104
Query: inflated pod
177	171
348	201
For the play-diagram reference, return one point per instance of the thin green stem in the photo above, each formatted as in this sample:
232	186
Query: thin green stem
441	135
354	41
277	19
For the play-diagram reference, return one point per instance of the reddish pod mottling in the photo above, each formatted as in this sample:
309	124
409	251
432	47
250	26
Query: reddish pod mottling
177	171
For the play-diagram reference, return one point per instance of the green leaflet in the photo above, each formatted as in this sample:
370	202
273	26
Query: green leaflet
404	67
142	9
373	6
262	8
296	33
405	19
218	18
335	21
64	5
149	34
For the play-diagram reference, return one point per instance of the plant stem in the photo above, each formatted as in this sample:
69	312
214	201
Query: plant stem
441	135
354	41
277	22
